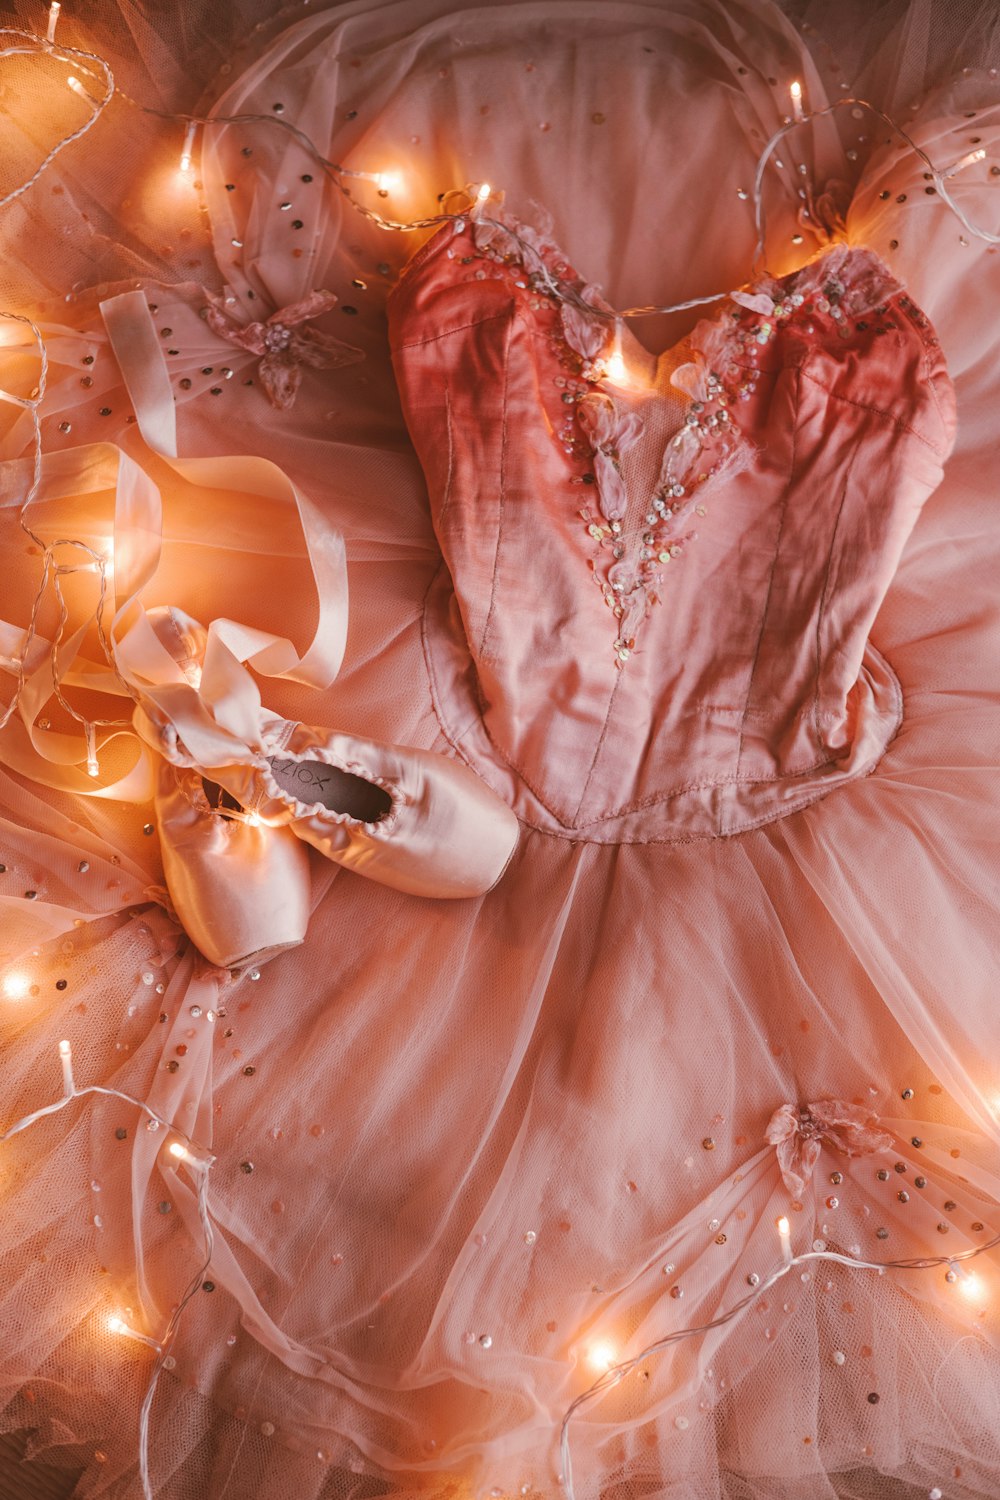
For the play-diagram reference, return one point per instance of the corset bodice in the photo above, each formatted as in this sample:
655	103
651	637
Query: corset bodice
652	619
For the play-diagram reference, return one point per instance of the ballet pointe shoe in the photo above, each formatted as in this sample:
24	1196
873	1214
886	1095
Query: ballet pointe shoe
414	820
240	889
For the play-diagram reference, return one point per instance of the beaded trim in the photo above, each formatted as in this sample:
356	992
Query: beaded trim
594	428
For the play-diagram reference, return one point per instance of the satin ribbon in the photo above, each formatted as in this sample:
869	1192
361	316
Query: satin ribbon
216	720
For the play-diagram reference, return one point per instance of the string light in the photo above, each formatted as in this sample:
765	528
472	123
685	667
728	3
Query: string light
185	162
66	1058
183	1153
615	367
601	1356
616	1373
479	200
187	1152
785	1236
15	986
24	43
937	175
966	161
970	1285
78	88
124	1330
54	10
93	765
796	93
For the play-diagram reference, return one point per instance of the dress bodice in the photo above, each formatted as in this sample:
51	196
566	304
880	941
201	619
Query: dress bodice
652	619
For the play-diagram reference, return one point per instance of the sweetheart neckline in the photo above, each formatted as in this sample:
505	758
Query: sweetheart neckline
545	248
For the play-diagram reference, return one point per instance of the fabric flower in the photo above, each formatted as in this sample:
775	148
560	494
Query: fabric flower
799	1134
284	345
586	335
611	433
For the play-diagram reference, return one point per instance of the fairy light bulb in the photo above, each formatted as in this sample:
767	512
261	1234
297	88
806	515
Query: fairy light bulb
118	1325
388	182
186	148
785	1236
78	88
66	1058
615	368
479	199
182	1153
90	739
54	10
601	1356
966	161
796	93
15	986
971	1286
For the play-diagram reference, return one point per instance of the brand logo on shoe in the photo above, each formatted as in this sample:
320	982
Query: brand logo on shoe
310	773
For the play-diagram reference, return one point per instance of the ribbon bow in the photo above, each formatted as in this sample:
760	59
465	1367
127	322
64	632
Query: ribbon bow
799	1133
284	345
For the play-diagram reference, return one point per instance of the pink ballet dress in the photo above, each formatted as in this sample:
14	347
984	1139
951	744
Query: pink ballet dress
717	622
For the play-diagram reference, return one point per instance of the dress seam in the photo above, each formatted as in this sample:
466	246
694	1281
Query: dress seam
501	503
825	594
434	338
771	572
877	411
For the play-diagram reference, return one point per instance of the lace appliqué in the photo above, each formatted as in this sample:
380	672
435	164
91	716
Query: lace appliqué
284	345
799	1133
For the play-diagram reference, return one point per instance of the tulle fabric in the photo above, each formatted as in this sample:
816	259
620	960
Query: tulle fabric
459	1144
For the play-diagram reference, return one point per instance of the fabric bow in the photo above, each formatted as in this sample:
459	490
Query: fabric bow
284	345
798	1134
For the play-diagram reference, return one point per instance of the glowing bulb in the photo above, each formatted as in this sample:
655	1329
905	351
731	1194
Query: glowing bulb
16	986
253	820
180	1152
615	368
387	182
185	163
602	1356
117	1325
966	161
90	735
78	88
971	1285
482	193
66	1058
785	1236
796	93
54	10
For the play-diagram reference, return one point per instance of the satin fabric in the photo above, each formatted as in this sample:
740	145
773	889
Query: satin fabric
748	687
